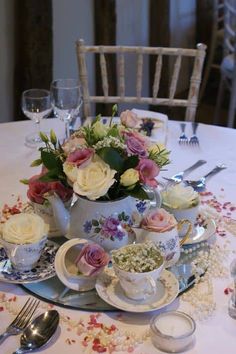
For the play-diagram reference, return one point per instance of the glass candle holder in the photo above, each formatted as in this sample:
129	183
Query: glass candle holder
172	331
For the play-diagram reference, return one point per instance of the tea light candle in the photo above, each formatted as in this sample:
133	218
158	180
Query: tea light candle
172	331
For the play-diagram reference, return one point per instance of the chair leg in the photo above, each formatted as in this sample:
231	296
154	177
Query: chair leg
219	101
232	106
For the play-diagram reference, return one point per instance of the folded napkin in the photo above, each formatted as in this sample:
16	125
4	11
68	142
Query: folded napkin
159	131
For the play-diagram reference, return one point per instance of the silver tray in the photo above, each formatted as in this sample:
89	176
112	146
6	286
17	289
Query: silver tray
53	291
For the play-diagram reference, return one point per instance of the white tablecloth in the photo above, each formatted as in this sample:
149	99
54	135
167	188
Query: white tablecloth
217	334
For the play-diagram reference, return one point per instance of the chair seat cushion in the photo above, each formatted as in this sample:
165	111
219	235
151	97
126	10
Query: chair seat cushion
227	65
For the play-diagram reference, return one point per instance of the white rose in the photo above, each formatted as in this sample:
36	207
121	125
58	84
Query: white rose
94	180
24	228
71	171
180	197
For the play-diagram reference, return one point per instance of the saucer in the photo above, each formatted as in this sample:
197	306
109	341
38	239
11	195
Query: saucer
109	289
43	270
202	232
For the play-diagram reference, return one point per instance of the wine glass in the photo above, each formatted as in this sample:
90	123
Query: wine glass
35	104
66	100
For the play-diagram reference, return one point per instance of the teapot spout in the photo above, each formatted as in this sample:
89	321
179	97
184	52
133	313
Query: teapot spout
60	213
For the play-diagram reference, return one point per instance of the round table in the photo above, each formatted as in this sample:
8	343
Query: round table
216	334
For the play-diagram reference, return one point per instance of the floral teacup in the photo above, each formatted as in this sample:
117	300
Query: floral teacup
24	257
168	241
183	202
162	229
23	238
138	285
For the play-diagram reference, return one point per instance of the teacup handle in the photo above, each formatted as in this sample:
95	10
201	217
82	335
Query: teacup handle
180	225
152	284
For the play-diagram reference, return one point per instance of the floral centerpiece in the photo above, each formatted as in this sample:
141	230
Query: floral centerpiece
101	162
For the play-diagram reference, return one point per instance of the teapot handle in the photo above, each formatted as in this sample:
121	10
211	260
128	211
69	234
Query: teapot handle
154	196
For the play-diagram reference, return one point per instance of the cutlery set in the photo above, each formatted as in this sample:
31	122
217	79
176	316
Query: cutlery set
193	140
35	333
198	185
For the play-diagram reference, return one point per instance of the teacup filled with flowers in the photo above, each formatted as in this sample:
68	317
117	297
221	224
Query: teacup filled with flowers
161	227
79	262
103	164
181	201
138	267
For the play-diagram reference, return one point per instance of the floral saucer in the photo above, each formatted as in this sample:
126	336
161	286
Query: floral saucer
109	289
203	231
43	270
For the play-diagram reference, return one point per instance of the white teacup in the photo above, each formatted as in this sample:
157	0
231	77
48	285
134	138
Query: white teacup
24	257
66	269
138	286
168	241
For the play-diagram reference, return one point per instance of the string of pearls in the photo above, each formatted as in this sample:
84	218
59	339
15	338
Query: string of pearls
201	296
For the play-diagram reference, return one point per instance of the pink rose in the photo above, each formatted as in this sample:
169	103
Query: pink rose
148	170
37	189
80	156
158	220
129	119
91	259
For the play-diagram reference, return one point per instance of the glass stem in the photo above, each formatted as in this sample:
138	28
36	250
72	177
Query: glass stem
67	129
37	122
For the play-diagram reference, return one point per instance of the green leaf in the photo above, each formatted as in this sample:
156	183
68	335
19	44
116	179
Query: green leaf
50	161
131	162
137	192
112	157
114	131
24	181
95	222
50	176
35	163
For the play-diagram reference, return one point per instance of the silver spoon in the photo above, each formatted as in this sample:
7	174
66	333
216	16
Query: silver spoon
38	332
200	185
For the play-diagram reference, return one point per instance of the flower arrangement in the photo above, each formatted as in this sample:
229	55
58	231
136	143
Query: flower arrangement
100	161
91	260
138	258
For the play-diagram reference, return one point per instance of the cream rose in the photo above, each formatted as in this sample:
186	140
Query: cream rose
24	228
129	177
158	220
180	197
94	180
129	119
100	130
71	171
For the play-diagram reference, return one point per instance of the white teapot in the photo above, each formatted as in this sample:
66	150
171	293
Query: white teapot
105	222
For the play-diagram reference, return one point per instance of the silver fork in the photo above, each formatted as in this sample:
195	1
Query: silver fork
194	139
178	177
183	140
22	319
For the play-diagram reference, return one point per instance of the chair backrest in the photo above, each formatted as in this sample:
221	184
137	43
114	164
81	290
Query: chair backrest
190	103
229	26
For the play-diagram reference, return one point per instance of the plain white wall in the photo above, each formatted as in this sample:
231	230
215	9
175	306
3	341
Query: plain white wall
6	60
